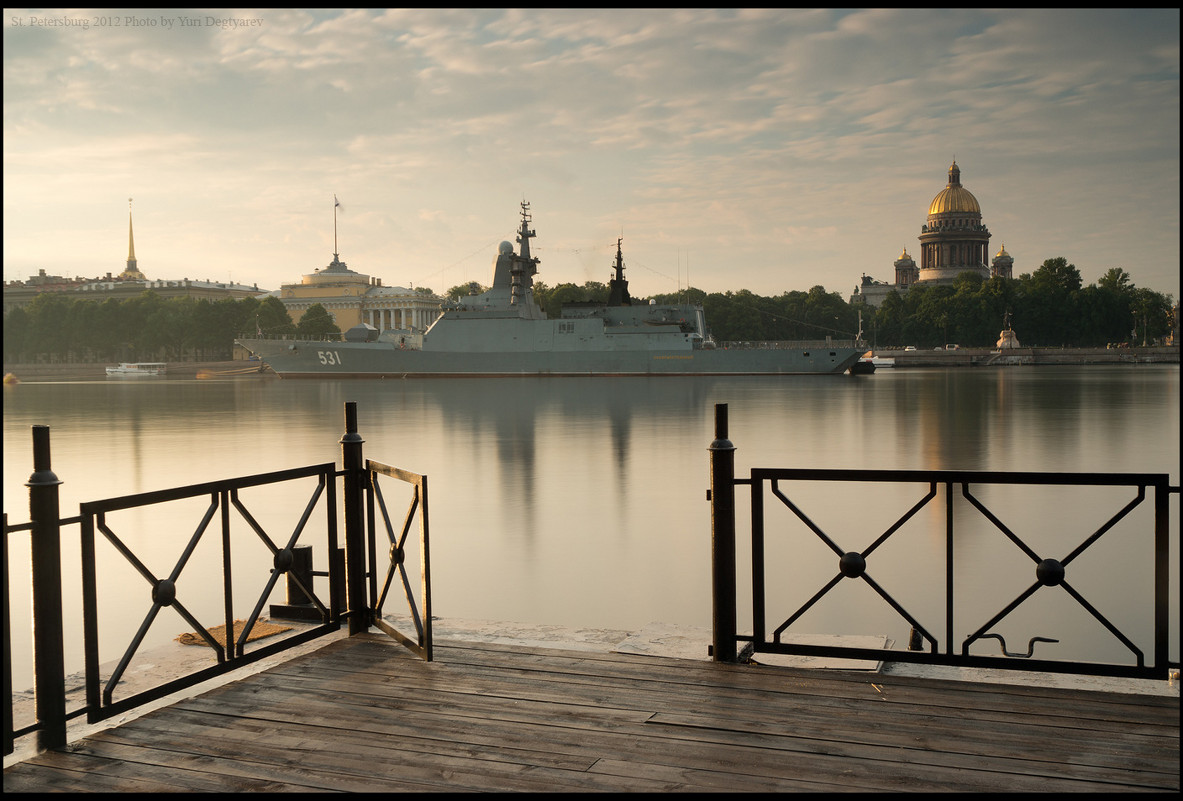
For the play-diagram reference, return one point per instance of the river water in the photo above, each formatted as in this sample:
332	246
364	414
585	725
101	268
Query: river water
581	502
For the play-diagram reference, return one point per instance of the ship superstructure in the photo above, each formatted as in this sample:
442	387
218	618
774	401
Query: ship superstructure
503	331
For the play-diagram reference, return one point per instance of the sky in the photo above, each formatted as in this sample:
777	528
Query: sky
769	150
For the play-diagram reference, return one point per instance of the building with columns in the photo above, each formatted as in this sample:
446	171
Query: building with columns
953	240
353	298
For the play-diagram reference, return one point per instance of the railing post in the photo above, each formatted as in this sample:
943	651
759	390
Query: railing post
49	664
722	496
353	496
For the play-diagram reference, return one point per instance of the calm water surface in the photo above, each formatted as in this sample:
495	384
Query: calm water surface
581	502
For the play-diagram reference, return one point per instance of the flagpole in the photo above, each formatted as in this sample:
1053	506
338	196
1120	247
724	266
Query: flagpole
336	203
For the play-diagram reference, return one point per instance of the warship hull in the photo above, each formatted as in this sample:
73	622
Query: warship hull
504	332
313	359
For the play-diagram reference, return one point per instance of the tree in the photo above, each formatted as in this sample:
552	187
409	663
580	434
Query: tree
81	322
1152	316
461	291
317	323
273	318
46	333
16	328
1057	274
1052	304
551	300
1116	280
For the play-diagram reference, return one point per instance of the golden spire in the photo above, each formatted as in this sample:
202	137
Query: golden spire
132	272
131	242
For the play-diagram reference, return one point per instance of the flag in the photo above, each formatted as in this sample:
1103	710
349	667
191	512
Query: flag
336	202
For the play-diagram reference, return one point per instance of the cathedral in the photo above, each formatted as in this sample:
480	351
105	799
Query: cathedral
952	241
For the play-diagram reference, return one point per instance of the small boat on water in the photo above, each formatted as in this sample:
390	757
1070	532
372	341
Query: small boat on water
869	363
137	369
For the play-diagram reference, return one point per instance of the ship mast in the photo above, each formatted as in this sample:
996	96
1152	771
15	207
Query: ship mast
618	286
524	267
524	234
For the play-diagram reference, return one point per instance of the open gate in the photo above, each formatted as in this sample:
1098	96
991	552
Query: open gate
420	642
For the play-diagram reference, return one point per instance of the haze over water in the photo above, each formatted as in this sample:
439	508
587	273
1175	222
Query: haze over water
581	502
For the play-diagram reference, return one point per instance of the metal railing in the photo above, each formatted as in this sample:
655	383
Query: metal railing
943	649
421	642
224	499
224	505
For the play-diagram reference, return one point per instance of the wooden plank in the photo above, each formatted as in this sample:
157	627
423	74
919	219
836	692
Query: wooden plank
393	770
824	684
80	770
1008	740
1017	756
293	740
40	777
926	718
363	713
871	724
682	745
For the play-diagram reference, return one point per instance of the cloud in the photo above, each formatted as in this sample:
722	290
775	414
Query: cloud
783	148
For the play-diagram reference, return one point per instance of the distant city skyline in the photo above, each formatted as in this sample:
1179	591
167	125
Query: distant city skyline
766	149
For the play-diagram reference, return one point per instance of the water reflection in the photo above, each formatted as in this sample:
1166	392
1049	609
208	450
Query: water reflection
580	502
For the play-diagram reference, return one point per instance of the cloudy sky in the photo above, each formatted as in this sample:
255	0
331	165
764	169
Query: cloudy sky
771	150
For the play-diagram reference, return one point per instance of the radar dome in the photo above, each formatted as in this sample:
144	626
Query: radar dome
505	247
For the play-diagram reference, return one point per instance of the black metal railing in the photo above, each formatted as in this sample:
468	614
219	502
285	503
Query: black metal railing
729	646
221	505
224	498
421	641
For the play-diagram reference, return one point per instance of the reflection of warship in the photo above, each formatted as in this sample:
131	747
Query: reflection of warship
504	332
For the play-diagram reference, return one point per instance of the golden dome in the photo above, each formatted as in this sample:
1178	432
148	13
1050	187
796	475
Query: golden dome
954	198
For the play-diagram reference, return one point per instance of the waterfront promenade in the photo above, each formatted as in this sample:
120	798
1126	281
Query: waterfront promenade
996	357
363	714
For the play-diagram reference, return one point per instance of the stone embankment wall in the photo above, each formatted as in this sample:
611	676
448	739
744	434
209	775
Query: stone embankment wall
93	372
984	357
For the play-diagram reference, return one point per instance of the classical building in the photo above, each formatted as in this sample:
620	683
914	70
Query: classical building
126	285
353	298
953	240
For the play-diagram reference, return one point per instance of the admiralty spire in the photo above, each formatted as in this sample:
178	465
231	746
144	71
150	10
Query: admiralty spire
132	272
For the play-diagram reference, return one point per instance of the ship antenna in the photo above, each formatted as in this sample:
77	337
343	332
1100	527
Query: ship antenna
525	234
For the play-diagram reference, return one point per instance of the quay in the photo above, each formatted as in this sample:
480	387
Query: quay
996	357
363	714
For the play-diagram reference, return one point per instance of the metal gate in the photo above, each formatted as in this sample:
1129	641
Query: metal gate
396	556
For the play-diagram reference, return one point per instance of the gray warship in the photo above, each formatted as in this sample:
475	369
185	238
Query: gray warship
504	332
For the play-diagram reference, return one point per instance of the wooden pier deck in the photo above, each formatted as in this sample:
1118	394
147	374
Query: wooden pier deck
362	714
